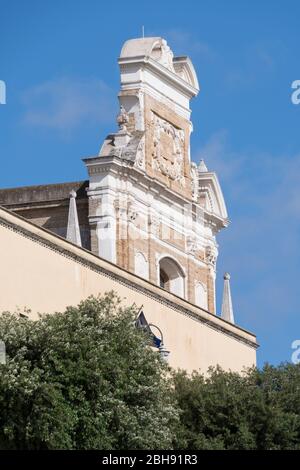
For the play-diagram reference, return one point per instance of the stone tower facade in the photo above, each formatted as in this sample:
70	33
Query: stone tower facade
151	210
143	224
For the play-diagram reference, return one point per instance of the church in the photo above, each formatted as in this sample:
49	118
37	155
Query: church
144	223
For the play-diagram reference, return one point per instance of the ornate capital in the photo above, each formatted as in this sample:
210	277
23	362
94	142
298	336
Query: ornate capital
132	212
192	245
211	254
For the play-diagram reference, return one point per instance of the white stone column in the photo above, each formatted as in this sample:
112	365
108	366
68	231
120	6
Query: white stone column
102	213
106	229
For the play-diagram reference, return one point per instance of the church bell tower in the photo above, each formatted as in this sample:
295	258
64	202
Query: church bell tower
153	211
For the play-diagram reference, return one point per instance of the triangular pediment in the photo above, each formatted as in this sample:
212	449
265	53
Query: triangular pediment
210	188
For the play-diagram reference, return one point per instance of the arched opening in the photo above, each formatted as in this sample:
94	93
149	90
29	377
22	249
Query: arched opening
163	279
171	276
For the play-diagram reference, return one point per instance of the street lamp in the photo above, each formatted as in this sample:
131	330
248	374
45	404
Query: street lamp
164	353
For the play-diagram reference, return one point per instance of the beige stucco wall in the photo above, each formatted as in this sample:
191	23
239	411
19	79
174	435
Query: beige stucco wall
45	273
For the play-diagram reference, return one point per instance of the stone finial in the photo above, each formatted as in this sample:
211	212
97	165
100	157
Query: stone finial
122	119
73	230
122	137
227	310
202	168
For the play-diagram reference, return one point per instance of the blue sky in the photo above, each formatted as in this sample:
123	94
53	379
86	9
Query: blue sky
59	62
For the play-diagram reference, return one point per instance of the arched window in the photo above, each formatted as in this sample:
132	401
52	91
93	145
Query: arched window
163	279
201	295
171	276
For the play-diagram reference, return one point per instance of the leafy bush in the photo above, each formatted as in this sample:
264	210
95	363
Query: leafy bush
259	409
83	379
87	379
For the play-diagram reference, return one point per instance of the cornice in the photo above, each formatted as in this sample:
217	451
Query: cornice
164	73
99	165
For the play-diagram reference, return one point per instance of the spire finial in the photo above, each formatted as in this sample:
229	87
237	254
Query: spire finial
227	309
73	230
202	168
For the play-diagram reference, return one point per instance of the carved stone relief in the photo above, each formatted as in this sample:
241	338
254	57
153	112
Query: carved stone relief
166	58
163	54
192	245
168	149
140	155
132	213
211	255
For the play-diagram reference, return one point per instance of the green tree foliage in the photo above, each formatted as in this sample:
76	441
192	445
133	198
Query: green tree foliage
83	379
87	379
259	409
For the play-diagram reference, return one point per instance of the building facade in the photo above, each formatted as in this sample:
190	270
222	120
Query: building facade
146	208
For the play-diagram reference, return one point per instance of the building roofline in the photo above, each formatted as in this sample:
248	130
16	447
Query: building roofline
80	255
33	186
46	193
